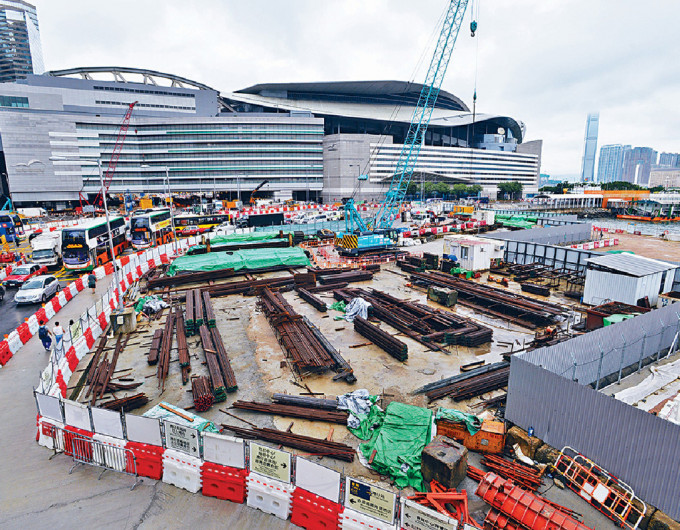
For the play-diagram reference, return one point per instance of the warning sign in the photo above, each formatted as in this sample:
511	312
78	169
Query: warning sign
270	462
416	517
181	438
370	500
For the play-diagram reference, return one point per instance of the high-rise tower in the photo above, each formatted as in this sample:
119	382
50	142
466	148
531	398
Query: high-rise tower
610	165
20	49
590	147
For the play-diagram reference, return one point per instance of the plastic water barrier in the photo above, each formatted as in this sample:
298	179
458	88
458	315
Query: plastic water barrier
269	495
182	470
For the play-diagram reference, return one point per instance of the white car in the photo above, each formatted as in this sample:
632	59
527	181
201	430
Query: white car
37	289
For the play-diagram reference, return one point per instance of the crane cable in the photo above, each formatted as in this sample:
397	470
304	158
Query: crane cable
395	112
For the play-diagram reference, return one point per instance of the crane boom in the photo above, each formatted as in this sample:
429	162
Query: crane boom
421	115
115	155
389	208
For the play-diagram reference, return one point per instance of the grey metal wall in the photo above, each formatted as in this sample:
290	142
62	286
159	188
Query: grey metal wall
522	252
549	235
639	448
558	221
589	358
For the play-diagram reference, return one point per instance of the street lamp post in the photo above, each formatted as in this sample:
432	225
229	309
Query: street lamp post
116	271
168	197
108	229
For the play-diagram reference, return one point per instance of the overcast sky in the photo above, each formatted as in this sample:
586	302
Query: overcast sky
545	62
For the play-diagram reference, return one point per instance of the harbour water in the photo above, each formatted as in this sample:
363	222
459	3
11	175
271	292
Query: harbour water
645	228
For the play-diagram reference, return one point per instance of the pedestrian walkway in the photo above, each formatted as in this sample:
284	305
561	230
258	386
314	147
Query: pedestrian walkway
36	492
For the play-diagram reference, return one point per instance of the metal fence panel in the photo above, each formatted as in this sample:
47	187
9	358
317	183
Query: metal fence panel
636	446
600	353
549	235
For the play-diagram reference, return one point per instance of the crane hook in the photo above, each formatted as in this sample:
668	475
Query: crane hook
473	27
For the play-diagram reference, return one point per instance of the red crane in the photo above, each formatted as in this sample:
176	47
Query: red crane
115	155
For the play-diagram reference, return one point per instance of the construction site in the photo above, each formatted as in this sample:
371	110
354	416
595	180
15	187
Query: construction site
408	365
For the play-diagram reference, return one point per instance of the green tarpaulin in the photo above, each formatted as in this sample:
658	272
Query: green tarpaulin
613	319
472	422
338	306
240	238
250	259
398	444
180	417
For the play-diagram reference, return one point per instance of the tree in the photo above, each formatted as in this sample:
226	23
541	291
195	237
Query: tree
459	190
474	190
620	185
442	188
413	188
512	190
557	188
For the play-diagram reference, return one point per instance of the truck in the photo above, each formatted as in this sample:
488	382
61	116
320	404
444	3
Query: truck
46	249
263	219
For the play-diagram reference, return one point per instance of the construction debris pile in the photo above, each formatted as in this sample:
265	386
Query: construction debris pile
469	384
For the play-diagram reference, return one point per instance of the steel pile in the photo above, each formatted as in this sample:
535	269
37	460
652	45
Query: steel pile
473	384
100	382
223	359
312	300
126	404
190	318
345	371
302	347
419	321
200	390
304	401
381	338
294	411
182	348
349	277
519	309
313	446
164	351
152	357
216	380
209	311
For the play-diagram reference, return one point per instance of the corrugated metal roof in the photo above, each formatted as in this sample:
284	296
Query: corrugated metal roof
631	264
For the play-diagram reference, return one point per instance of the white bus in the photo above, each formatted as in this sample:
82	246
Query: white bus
86	246
150	229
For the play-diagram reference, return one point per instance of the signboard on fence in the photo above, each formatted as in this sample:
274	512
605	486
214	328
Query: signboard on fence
370	500
180	438
417	517
269	462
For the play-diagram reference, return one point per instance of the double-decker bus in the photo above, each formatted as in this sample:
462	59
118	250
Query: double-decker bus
86	246
202	220
11	226
151	228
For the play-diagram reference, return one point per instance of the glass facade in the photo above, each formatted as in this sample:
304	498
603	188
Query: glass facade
610	165
215	155
590	148
20	48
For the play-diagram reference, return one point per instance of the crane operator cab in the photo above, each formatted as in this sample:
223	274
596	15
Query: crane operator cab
356	243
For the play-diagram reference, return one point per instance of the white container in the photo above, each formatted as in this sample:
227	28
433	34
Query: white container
269	495
182	470
352	520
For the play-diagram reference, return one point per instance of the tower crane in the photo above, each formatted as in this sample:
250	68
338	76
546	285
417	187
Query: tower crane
113	161
360	236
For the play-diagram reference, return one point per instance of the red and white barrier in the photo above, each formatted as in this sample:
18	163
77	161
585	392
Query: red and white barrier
269	495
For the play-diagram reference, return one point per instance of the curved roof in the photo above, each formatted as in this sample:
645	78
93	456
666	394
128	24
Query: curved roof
375	92
149	77
387	112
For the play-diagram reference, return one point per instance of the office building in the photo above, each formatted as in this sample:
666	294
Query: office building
610	164
669	159
637	163
668	177
590	148
20	48
59	127
309	140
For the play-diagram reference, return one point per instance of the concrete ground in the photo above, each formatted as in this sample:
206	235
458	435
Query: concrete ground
36	492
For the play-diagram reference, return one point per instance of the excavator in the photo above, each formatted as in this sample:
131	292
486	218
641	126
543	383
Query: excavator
253	195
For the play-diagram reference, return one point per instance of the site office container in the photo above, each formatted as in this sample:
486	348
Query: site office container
489	439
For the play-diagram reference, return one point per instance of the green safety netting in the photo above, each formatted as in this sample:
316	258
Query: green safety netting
472	422
398	444
249	259
338	306
613	319
239	238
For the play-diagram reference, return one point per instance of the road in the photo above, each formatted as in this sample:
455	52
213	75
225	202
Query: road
12	314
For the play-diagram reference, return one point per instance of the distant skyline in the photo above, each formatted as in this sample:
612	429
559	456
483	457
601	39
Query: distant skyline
545	63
